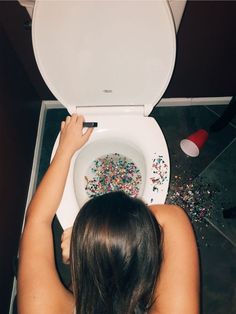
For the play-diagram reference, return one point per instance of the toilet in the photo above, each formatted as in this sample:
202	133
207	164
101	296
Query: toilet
110	61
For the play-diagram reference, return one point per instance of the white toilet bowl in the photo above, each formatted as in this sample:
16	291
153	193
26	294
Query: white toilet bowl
110	61
144	143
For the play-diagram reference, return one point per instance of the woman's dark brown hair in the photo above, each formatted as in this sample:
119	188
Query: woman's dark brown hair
115	256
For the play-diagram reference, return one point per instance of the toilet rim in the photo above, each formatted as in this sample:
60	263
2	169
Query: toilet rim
66	218
149	150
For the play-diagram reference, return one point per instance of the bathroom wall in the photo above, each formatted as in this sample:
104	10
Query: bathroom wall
19	111
206	51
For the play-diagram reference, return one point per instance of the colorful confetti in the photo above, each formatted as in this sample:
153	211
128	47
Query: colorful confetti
113	172
195	197
159	172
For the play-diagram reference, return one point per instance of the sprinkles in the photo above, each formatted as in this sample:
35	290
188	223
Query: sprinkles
113	172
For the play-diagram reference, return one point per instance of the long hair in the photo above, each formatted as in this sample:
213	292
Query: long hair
115	256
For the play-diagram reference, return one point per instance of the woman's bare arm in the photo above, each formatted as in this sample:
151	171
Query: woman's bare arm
177	290
39	287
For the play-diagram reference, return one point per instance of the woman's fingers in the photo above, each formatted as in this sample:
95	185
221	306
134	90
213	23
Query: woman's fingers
65	253
65	245
87	134
67	232
67	121
62	125
72	136
74	117
80	120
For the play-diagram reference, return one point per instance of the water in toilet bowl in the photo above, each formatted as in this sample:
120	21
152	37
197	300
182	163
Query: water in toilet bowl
113	172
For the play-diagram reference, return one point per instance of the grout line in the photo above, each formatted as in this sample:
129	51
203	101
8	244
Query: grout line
220	231
215	113
218	115
216	157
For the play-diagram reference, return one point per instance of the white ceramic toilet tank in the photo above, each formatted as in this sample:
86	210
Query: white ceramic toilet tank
110	61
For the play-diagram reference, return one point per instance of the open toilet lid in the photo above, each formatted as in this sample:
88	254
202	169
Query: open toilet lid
97	53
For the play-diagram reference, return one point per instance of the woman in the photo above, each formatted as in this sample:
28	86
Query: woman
125	258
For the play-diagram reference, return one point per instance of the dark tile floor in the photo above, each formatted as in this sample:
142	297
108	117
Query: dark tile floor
206	185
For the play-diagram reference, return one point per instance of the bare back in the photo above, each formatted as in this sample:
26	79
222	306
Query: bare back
177	290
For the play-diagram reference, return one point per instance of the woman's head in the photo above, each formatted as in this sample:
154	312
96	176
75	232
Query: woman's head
115	255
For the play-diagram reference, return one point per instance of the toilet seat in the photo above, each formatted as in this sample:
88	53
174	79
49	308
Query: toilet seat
151	144
104	53
110	61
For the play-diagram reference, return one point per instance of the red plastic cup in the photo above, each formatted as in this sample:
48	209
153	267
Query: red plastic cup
193	143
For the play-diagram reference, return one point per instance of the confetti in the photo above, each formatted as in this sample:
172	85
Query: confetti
113	172
159	172
194	196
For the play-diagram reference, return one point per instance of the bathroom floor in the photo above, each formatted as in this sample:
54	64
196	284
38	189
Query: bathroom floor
203	186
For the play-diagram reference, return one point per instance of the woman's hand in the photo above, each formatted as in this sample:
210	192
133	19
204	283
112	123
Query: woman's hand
72	136
65	245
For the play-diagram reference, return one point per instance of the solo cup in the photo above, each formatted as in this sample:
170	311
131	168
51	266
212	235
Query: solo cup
193	143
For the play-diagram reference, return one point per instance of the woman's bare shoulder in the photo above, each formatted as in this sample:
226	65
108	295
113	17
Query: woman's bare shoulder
167	214
179	276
